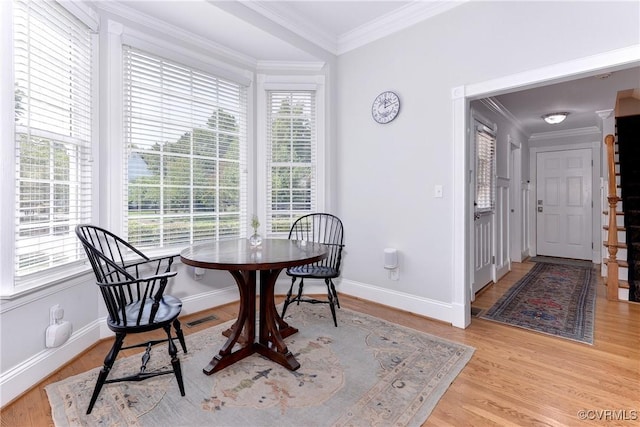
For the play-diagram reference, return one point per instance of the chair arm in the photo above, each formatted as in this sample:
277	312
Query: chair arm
152	263
160	276
151	260
159	258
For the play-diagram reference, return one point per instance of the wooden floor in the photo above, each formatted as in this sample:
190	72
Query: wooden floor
516	377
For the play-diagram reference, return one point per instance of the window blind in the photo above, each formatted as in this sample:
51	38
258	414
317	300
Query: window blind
291	157
52	69
185	148
485	169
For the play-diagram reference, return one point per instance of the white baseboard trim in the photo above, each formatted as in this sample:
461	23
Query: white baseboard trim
22	377
460	316
203	301
400	300
623	294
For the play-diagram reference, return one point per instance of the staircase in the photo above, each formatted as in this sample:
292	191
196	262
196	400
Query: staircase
616	232
628	130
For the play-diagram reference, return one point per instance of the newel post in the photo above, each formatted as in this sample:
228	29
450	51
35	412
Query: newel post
612	241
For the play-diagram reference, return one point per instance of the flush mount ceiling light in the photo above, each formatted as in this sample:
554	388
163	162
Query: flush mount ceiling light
555	118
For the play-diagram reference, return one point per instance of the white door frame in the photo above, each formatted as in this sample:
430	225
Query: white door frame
516	215
462	207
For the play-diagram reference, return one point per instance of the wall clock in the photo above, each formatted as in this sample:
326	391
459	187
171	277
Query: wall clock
385	107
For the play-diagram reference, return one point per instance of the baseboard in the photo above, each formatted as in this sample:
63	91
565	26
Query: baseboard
203	301
500	272
27	374
623	294
402	301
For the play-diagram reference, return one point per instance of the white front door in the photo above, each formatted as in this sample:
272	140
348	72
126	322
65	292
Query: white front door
483	260
563	204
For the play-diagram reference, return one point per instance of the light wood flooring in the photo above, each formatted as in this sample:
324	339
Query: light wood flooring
516	377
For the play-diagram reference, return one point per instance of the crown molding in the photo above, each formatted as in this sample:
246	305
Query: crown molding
399	19
133	15
312	66
545	136
393	22
494	105
604	114
282	16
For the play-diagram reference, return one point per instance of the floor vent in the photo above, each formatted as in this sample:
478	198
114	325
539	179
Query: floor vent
201	320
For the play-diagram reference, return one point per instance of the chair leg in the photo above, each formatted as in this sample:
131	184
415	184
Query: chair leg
175	362
300	286
178	328
106	368
331	303
335	294
287	300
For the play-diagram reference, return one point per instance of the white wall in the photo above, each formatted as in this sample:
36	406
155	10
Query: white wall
387	172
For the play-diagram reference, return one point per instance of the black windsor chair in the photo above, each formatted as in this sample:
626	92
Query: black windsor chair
133	287
319	228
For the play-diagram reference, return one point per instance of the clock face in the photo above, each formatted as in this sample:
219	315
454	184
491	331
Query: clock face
385	107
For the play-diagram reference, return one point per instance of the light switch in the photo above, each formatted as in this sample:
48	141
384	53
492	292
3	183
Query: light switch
437	191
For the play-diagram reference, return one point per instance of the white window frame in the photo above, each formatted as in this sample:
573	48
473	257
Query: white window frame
480	126
9	286
266	83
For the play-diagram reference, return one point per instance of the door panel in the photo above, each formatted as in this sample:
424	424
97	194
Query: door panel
483	265
501	221
563	206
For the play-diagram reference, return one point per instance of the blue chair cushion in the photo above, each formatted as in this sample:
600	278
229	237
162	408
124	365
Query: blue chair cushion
319	271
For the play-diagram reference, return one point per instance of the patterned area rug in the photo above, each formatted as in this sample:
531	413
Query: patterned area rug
365	372
562	261
551	298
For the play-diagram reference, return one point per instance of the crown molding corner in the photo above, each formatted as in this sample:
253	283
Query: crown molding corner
308	30
495	105
604	114
393	22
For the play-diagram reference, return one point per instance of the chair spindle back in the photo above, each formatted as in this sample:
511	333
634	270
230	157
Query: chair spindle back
321	228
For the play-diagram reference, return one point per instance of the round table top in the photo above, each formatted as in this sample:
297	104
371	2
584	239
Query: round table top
238	254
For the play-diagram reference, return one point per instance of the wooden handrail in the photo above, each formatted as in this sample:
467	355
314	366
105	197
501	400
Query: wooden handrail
612	240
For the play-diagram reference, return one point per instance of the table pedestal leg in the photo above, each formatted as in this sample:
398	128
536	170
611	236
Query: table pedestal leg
243	330
272	327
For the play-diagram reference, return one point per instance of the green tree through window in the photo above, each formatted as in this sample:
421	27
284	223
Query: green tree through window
291	161
188	188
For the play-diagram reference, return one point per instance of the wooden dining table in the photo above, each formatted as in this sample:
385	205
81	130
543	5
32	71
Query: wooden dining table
243	261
